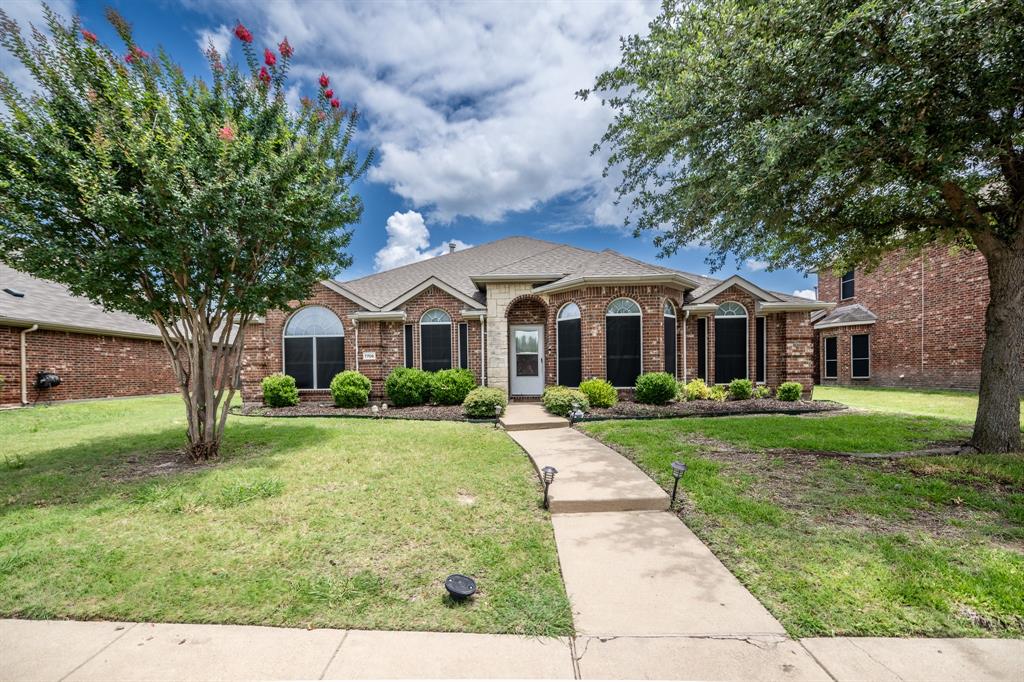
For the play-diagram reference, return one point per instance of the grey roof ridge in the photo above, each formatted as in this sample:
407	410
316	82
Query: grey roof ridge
558	247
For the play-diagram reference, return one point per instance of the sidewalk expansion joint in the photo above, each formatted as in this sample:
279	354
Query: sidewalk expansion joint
124	631
327	666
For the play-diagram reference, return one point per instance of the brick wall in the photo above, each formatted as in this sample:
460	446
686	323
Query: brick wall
89	365
931	320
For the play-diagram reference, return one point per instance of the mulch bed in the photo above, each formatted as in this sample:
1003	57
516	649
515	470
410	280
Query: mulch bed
317	409
710	408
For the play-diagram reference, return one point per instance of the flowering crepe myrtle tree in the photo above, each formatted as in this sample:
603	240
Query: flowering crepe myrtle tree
826	134
195	205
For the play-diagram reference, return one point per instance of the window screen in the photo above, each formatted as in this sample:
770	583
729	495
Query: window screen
847	285
730	349
436	346
622	347
702	348
831	357
330	359
762	350
298	361
670	345
408	346
570	361
463	345
860	357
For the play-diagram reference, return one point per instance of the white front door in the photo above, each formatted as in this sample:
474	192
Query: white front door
527	359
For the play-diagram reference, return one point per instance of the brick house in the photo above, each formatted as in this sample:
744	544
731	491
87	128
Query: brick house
95	352
917	322
523	314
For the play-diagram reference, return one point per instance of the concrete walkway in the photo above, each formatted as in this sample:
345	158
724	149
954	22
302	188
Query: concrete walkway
530	417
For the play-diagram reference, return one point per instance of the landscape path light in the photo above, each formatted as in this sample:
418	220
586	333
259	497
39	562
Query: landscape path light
678	469
548	476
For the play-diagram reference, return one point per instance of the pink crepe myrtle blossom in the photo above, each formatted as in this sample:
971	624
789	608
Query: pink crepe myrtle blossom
328	94
226	133
269	57
89	36
335	104
285	49
320	115
243	33
264	75
324	81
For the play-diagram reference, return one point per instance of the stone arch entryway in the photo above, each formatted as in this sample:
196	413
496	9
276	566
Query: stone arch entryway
527	344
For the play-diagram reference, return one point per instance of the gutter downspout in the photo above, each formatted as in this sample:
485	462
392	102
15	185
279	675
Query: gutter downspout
24	364
686	372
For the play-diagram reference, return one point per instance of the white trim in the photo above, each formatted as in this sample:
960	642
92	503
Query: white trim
738	281
674	317
473	314
671	305
824	357
371	315
853	280
541	373
339	288
285	335
792	306
92	331
440	310
700	309
833	325
639	311
558	313
606	316
423	286
452	359
654	278
746	340
558	341
868	375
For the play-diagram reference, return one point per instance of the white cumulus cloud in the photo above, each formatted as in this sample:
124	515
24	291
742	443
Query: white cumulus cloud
219	37
29	14
755	265
409	241
805	293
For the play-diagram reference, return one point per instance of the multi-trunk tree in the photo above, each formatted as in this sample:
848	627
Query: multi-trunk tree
197	205
810	133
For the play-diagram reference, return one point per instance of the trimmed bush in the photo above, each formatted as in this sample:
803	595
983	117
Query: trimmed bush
741	389
599	392
558	400
451	386
279	390
762	392
655	388
789	391
696	389
350	389
407	386
718	393
480	402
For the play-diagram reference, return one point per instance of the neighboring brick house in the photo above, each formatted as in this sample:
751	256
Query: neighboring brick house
96	353
913	321
523	314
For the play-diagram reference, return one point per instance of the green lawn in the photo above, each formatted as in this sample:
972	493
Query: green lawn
303	522
959	406
835	546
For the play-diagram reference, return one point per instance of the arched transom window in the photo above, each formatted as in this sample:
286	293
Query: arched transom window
570	355
730	342
314	347
731	309
436	340
622	343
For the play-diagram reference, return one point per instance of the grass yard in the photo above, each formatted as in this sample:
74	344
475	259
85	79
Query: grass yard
836	546
303	522
959	406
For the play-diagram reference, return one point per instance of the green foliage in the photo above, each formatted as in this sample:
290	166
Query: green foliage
451	386
655	388
350	389
480	402
407	386
558	400
741	389
762	392
718	393
599	392
279	390
696	389
789	391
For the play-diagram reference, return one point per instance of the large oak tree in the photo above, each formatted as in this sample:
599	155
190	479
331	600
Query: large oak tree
195	205
816	133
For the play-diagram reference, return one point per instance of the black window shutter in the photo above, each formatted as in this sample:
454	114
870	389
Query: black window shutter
702	348
570	358
408	345
436	346
831	357
670	345
330	359
730	349
298	361
762	355
860	362
622	349
463	345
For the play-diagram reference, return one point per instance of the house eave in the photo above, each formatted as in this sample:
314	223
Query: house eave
576	283
742	283
792	306
423	286
344	291
78	329
377	315
834	325
474	314
529	278
700	309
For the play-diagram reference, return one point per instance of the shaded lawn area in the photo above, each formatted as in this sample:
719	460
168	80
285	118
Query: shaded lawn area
959	406
840	546
303	522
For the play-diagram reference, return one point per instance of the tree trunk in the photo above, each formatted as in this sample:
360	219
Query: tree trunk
997	426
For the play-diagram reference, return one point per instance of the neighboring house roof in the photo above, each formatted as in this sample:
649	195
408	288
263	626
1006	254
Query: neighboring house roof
847	316
52	306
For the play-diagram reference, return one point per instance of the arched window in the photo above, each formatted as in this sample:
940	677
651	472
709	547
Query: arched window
730	342
436	340
314	347
669	311
569	341
622	343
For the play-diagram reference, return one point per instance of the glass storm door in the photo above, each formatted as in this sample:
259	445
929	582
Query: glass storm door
527	360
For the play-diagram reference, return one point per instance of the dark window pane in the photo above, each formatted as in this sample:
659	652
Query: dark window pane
298	361
831	357
570	365
670	345
527	365
702	348
330	359
464	346
622	348
847	285
762	350
860	356
730	349
436	346
408	346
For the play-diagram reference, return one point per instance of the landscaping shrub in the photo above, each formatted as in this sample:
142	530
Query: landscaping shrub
599	392
762	392
480	402
718	393
696	389
451	386
741	389
559	399
789	391
350	389
407	386
279	390
655	388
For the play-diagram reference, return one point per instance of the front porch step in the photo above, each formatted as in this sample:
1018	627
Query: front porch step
530	417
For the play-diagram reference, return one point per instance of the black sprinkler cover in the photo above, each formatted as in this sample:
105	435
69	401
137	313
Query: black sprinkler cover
460	586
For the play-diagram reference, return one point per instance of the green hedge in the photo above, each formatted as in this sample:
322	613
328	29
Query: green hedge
451	386
741	389
599	392
655	388
279	391
696	389
480	402
407	386
789	391
559	399
350	389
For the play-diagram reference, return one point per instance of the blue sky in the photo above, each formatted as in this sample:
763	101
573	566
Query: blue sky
470	106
